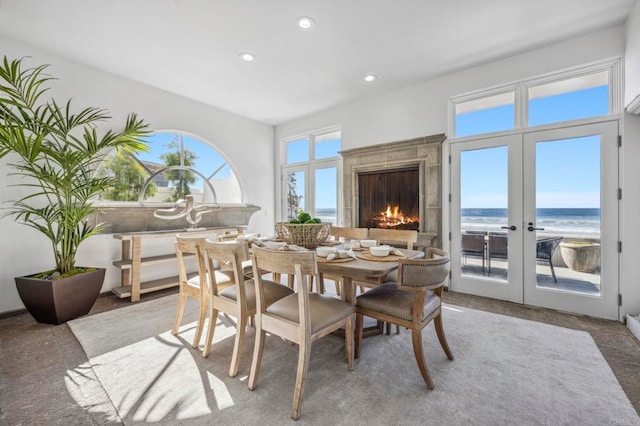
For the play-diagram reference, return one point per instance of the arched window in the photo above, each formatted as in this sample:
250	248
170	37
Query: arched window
176	165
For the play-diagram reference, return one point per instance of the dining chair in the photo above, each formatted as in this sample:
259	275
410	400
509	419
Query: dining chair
300	318
247	268
412	302
404	238
193	285
239	299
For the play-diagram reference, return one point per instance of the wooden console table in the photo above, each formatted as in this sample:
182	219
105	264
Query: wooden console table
131	260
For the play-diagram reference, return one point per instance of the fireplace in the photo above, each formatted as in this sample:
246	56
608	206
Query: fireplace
405	174
389	199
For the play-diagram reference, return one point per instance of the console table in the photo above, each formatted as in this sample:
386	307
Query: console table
131	260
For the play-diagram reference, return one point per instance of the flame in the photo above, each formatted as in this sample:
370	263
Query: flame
392	217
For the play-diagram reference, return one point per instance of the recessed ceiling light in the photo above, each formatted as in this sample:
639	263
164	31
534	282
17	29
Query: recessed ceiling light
246	56
305	23
370	78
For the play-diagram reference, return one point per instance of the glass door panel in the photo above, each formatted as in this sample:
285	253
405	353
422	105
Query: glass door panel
486	217
571	216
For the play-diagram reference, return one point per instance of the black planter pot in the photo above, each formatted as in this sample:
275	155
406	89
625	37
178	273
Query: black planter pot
58	301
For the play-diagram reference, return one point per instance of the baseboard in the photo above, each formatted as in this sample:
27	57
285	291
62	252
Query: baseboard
9	314
633	324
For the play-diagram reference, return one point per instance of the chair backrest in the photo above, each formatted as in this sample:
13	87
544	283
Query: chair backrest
429	273
349	233
546	246
231	252
191	244
498	245
300	264
404	237
472	243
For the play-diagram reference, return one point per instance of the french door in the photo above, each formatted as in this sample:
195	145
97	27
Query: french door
534	218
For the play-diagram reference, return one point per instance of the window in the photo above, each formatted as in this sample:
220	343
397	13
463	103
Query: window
569	99
580	93
176	165
485	115
311	175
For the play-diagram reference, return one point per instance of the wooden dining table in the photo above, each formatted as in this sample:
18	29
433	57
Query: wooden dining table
361	270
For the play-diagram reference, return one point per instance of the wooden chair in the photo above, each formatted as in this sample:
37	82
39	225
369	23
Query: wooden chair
239	299
341	234
247	268
300	318
190	285
412	303
396	237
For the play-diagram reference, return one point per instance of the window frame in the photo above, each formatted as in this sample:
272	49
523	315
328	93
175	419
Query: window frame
309	167
521	88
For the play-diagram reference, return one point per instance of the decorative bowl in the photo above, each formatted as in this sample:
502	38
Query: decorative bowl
325	251
380	251
368	243
309	235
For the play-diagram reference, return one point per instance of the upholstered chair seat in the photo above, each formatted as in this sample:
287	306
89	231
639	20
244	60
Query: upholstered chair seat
324	310
272	292
412	302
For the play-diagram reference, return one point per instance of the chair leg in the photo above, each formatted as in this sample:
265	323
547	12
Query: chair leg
182	300
419	353
553	272
257	358
303	367
201	316
348	340
441	337
208	340
237	346
338	285
359	327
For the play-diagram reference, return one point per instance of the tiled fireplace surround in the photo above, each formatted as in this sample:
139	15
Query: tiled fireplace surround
424	152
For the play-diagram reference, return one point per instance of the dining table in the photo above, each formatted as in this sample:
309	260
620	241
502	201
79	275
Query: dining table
362	268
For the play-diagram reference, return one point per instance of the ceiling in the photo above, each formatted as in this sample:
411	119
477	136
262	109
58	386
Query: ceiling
191	47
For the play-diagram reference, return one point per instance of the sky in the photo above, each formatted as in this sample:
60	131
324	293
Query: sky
567	171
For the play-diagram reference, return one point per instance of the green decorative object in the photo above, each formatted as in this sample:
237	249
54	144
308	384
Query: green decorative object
56	151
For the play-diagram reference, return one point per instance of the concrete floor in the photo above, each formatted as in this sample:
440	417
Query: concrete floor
35	358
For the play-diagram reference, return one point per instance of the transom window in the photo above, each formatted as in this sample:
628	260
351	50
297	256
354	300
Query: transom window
176	165
576	94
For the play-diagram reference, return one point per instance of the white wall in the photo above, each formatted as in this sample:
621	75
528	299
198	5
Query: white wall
23	251
632	56
422	110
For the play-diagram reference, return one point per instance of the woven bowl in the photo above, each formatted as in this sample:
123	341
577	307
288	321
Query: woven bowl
309	235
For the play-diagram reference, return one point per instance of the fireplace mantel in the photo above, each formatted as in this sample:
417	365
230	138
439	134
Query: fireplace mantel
424	152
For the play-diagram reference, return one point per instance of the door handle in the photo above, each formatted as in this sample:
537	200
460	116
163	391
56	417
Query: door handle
531	228
512	227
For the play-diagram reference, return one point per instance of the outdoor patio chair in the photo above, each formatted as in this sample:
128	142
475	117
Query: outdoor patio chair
497	247
237	300
300	318
473	244
412	302
544	252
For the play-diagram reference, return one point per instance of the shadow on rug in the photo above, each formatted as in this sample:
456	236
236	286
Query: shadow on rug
506	371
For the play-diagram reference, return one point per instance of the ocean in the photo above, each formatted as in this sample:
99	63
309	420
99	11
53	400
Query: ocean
583	222
579	222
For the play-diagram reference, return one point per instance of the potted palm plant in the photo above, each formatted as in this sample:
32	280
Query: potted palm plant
54	152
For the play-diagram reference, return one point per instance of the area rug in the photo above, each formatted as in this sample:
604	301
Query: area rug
506	371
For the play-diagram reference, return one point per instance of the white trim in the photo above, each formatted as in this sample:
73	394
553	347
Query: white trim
520	87
634	106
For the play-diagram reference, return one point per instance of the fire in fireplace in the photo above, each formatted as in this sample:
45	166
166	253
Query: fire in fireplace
394	218
389	199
